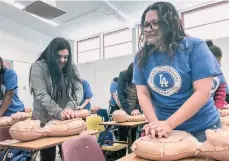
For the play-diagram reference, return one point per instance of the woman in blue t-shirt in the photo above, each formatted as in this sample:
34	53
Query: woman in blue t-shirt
173	74
9	100
87	96
113	103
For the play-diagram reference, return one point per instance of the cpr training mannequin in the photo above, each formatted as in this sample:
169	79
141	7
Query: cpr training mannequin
180	145
122	116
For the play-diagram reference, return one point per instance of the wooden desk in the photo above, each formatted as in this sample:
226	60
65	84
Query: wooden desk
42	143
129	126
131	157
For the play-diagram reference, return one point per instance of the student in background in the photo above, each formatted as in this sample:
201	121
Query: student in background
86	102
220	88
9	101
56	87
173	74
87	96
219	85
114	103
128	99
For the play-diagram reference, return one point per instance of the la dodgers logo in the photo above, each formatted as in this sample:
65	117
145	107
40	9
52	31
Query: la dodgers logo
215	84
165	80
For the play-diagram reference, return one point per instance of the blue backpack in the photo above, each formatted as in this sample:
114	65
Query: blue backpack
108	139
16	155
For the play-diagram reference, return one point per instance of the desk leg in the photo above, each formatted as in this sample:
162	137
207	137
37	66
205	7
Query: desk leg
105	133
129	139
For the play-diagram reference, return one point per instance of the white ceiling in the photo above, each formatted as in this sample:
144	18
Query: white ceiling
84	18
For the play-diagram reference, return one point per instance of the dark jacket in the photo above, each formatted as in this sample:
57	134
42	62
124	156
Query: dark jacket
124	98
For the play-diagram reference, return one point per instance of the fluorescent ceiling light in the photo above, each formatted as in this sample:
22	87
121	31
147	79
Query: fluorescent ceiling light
20	6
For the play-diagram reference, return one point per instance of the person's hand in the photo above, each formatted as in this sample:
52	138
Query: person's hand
158	129
67	114
135	112
80	107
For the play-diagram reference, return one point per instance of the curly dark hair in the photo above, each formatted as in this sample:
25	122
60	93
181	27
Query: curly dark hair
171	27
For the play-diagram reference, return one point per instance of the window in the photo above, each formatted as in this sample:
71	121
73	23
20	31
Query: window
212	31
88	50
207	22
206	15
118	43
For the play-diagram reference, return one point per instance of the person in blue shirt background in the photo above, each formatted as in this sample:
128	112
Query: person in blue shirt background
173	74
87	96
9	100
114	103
113	91
86	104
219	86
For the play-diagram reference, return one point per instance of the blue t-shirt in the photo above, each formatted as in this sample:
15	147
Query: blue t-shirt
170	81
11	83
217	80
113	89
87	93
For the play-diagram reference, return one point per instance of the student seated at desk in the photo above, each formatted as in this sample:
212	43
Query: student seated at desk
114	103
87	96
56	87
9	101
86	102
219	87
127	96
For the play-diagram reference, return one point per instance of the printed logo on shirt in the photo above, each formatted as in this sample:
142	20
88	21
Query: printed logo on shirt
2	93
215	84
165	80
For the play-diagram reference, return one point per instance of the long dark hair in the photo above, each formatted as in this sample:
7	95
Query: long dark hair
50	56
129	74
2	72
216	51
171	27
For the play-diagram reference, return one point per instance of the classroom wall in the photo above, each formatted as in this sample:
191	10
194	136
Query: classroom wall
100	73
22	45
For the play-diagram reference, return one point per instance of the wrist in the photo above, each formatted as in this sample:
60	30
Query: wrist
59	115
171	123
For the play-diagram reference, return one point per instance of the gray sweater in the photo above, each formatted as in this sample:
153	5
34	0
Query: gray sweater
45	108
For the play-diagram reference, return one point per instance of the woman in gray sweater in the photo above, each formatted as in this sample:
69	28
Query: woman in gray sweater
56	87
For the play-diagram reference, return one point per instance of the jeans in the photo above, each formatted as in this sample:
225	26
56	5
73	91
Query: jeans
49	154
201	136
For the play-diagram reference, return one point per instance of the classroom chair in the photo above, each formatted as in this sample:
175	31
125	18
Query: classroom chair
4	133
83	148
93	124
